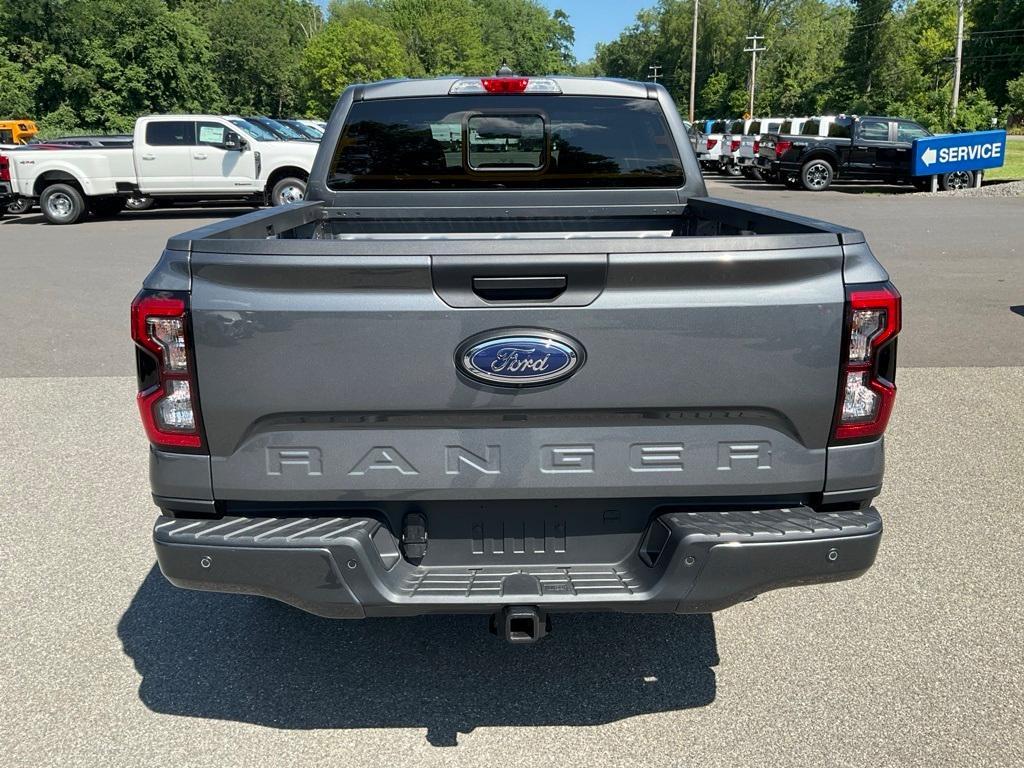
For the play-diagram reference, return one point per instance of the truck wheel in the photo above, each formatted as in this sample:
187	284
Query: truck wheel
733	170
956	180
62	204
139	203
106	207
816	175
290	189
19	206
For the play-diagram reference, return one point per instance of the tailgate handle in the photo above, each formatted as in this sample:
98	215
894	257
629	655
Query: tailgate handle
519	288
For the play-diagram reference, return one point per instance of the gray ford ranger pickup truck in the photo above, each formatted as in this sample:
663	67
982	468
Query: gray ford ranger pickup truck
509	358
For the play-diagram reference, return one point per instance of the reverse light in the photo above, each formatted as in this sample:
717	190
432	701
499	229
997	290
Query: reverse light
167	396
867	388
471	85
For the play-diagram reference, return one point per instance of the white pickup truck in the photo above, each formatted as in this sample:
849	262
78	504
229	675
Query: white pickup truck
179	157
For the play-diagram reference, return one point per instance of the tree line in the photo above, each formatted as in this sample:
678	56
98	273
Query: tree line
97	64
859	57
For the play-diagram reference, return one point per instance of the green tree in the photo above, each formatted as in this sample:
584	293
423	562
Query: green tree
1015	100
345	53
17	86
994	53
531	39
103	62
257	47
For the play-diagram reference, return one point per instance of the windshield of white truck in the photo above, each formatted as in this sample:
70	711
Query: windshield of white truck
501	142
255	131
281	128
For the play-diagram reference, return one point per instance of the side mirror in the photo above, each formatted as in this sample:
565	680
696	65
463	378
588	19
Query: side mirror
233	142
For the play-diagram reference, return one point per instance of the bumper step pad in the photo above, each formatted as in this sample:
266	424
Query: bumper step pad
350	567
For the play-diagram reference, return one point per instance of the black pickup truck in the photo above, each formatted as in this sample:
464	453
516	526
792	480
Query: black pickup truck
860	148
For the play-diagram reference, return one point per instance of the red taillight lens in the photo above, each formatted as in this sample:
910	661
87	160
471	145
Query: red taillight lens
167	394
757	147
782	147
5	168
734	145
712	143
866	389
505	84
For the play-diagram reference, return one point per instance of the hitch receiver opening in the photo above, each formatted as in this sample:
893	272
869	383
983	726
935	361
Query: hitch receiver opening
520	624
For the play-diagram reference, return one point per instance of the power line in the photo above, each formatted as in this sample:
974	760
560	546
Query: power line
993	31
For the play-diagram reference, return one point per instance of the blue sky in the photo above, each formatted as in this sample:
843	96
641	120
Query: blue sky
597	21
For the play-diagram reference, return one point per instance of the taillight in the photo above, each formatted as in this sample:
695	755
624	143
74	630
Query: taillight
867	386
167	398
503	85
712	143
782	147
5	168
734	145
757	147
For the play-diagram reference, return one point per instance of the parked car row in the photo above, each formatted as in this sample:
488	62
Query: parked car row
168	158
811	152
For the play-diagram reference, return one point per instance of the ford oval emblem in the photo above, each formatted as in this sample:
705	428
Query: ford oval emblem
519	357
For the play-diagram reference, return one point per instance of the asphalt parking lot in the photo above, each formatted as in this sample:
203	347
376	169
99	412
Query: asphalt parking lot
919	663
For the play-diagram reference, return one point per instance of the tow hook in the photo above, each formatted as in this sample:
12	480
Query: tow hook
520	624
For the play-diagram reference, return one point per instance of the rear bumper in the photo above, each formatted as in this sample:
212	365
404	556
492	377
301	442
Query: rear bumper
6	193
352	567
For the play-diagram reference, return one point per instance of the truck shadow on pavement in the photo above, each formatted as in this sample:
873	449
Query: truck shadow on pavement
252	660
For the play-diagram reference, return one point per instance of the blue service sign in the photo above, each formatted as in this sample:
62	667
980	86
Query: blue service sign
958	152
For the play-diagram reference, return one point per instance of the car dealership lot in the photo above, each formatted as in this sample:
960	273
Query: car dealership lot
917	663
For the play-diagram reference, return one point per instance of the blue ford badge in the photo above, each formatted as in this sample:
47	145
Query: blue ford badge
519	357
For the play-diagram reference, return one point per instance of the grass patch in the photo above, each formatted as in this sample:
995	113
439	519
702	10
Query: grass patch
1013	168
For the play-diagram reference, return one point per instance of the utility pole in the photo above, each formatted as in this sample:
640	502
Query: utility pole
655	70
959	55
693	59
753	50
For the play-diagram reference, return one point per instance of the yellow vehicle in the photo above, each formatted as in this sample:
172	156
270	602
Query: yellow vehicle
17	131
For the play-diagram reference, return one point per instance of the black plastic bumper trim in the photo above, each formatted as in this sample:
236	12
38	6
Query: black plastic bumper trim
331	566
172	507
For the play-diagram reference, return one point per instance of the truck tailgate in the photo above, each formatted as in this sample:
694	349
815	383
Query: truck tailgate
708	371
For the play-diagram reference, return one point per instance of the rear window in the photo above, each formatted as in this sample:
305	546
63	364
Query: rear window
171	133
810	128
754	129
840	130
496	141
874	130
